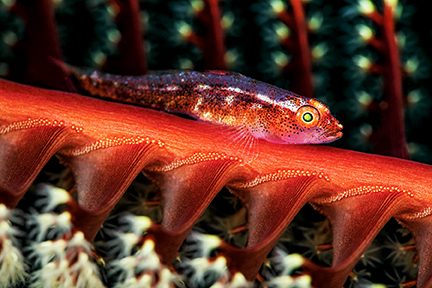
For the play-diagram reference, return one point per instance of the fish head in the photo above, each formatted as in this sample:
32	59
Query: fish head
309	122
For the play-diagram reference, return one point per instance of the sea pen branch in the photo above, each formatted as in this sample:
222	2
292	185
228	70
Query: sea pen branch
214	47
131	58
41	45
211	42
300	67
302	78
107	144
390	137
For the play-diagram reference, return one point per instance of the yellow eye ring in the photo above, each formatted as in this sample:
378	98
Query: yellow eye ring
308	116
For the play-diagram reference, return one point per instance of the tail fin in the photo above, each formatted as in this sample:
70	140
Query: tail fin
71	73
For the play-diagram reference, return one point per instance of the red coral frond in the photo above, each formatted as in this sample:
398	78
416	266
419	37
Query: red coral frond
131	59
390	139
108	144
213	40
40	46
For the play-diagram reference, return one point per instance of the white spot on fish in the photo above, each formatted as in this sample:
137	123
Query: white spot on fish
202	87
265	98
229	99
289	105
235	89
207	115
170	88
256	106
198	104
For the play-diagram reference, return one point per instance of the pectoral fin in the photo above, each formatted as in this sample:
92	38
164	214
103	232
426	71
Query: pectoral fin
244	142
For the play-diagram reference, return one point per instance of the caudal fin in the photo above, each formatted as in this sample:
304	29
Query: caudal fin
71	73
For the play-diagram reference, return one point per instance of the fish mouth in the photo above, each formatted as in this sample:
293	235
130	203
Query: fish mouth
331	136
335	136
330	132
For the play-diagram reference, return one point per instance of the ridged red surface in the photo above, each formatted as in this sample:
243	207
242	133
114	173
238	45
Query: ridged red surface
108	144
389	138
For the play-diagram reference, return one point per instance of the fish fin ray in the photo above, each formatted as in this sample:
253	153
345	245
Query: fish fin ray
245	143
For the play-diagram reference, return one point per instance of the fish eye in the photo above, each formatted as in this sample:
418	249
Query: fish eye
308	116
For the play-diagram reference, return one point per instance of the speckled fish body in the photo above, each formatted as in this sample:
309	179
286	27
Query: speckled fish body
262	110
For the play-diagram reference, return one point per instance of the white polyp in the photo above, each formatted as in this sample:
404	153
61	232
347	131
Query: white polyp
44	222
184	29
82	262
48	250
366	33
167	278
58	270
291	262
12	270
319	51
315	22
131	283
364	98
51	273
206	243
366	7
139	224
143	268
277	6
303	281
87	272
127	265
146	281
363	62
391	3
285	281
114	35
239	281
377	286
143	282
4	212
203	265
219	265
5	229
282	31
219	285
150	262
280	59
199	266
411	65
78	240
98	57
414	97
128	240
63	221
56	196
147	247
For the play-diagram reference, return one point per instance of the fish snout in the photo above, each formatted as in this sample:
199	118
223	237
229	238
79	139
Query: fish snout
333	131
337	130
